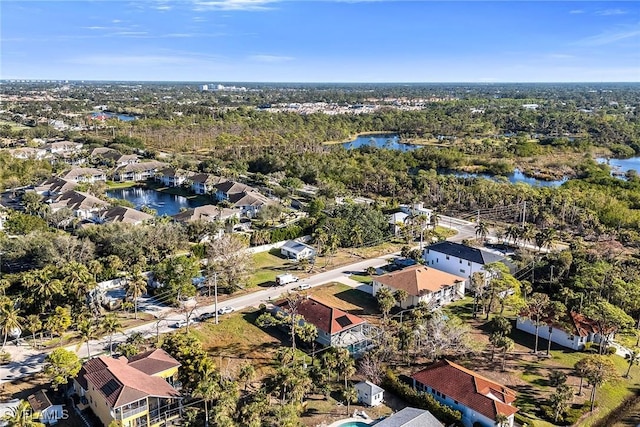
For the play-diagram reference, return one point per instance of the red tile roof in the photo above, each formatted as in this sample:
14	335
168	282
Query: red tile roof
472	390
327	319
583	325
121	382
419	280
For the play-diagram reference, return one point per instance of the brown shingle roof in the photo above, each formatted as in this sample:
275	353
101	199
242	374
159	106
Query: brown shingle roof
122	383
327	319
39	401
125	214
472	390
153	362
419	280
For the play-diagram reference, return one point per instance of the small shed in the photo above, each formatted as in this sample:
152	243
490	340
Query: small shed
47	411
297	250
369	393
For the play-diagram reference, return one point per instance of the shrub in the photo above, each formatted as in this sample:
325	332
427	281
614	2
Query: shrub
611	350
4	357
420	400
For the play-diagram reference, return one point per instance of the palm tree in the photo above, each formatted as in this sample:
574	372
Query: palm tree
136	287
350	395
246	374
21	416
482	229
10	321
502	420
86	332
111	325
506	344
634	359
208	388
34	325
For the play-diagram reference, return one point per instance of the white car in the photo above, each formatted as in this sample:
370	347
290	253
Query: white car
226	310
304	287
181	323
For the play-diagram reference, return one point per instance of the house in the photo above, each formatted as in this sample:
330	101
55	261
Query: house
114	156
48	412
125	215
83	205
231	191
422	284
137	171
137	392
479	399
297	250
418	209
397	222
54	186
60	147
209	213
459	259
574	332
410	417
171	177
204	183
89	175
369	393
336	328
250	203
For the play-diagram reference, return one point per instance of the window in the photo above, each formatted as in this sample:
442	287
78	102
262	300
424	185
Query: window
460	261
447	256
469	263
455	401
431	262
462	270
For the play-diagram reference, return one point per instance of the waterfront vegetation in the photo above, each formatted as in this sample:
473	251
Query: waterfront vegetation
50	265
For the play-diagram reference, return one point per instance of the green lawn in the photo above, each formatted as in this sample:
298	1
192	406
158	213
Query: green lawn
14	126
112	185
268	265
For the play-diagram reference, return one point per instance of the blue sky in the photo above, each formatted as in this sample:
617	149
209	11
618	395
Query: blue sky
320	41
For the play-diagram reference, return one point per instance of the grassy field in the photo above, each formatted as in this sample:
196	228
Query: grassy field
14	126
237	340
112	185
270	264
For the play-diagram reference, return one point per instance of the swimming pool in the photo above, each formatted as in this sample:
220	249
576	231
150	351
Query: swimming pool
354	424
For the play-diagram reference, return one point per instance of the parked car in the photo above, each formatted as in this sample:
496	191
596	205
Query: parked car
304	287
226	310
181	323
283	279
205	316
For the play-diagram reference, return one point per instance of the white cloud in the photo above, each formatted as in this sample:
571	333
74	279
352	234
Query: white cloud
609	37
611	12
576	11
560	56
248	5
270	58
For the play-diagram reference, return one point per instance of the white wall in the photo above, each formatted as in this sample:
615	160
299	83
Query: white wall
453	265
558	336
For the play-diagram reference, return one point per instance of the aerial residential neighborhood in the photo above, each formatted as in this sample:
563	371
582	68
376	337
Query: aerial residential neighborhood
266	213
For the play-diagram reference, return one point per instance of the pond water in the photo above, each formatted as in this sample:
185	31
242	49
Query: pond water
388	141
108	115
163	203
516	176
622	165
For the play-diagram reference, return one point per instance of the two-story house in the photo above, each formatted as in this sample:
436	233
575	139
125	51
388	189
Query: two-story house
88	175
137	171
336	328
83	205
172	177
54	186
124	214
479	399
422	284
459	259
136	392
204	183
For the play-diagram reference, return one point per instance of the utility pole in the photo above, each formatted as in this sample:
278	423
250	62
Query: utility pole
478	218
215	292
524	212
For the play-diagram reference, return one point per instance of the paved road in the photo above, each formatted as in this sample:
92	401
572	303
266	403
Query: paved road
27	360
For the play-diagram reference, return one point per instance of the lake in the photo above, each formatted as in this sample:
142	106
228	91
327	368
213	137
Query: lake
107	115
622	165
163	203
388	141
516	176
